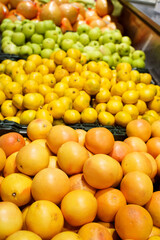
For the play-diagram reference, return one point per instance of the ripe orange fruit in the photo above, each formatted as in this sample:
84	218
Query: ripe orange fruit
60	134
50	184
155	232
77	181
153	146
44	218
136	143
79	207
11	142
43	143
109	201
133	222
10	165
32	158
137	187
16	188
71	157
136	161
154	128
67	235
23	234
158	164
101	171
153	164
139	128
2	159
81	136
94	231
153	207
38	128
99	140
8	222
120	150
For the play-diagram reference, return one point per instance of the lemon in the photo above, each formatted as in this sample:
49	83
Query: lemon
71	116
29	66
93	66
135	76
124	66
21	78
11	89
76	82
123	75
30	86
132	110
101	107
43	69
86	95
106	118
74	53
1	117
67	102
18	101
154	238
80	103
17	70
72	93
8	109
78	68
119	98
122	118
153	113
50	97
153	87
36	76
93	75
69	64
146	94
27	116
49	80
105	72
131	85
65	79
35	58
18	114
85	74
60	73
114	106
130	97
105	82
33	101
4	80
149	118
89	115
113	81
145	78
49	63
83	59
119	88
102	64
59	56
60	88
155	104
43	89
13	119
44	114
2	97
103	96
10	66
140	86
158	90
56	108
21	62
92	86
58	122
141	106
2	68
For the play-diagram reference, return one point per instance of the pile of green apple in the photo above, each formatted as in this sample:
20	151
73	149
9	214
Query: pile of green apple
28	37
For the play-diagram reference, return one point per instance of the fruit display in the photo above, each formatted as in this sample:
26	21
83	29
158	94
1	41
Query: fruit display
67	184
44	37
66	89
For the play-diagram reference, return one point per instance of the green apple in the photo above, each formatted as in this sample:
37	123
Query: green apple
18	22
66	44
108	59
18	38
124	49
58	30
48	43
126	59
111	46
6	43
78	45
25	51
132	49
37	38
40	27
89	49
138	63
49	25
117	36
3	26
116	59
25	21
51	34
59	39
126	39
46	53
7	33
95	56
84	39
94	33
11	49
35	48
138	54
17	27
71	35
100	40
10	26
105	50
7	20
83	28
28	29
94	44
6	38
108	37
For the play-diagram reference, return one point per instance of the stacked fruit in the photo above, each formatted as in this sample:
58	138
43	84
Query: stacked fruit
67	88
66	184
44	38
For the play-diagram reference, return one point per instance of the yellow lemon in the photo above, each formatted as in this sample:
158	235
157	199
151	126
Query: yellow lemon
153	113
86	95
36	76
80	103
50	97
101	107
30	86
135	76
145	78
106	118
71	116
83	59
154	238
29	66
155	104
17	70
103	96
105	72
113	81
119	98
1	117
122	118
13	119
65	79
18	114
60	73
131	85
102	64
124	66
44	89
49	80
72	93
27	116
21	78
59	56
67	102
153	87
44	114
69	64
33	101
146	94
149	118
8	109
76	82
2	68
58	122
158	90
18	101
35	58
43	69
2	97
4	80
11	89
114	106
89	115
105	82
93	66
141	106
119	88
49	63
130	97
74	53
92	86
56	108
21	62
140	86
59	88
132	110
10	66
123	75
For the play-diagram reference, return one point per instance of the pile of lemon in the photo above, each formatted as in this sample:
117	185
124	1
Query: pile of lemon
66	89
